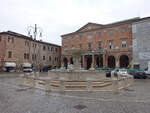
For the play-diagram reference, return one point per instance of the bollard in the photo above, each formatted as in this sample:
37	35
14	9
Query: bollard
62	84
131	80
37	74
89	84
115	85
48	86
124	82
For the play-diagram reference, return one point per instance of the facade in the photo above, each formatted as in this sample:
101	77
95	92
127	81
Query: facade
104	45
141	42
19	49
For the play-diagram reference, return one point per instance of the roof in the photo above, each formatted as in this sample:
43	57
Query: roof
90	23
27	37
128	21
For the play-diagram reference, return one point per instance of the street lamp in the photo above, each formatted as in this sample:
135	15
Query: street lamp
34	32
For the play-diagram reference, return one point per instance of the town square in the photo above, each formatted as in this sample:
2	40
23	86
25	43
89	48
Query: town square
75	56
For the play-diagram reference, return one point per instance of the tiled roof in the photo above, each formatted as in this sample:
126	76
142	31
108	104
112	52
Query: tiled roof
26	37
107	25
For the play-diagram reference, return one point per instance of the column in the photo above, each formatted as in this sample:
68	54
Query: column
92	65
117	61
104	61
83	61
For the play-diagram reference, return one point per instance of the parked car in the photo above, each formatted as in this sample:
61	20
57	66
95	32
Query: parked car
108	72
27	69
137	74
46	68
122	72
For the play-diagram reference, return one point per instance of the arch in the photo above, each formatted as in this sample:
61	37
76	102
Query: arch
65	61
89	62
124	61
111	62
71	60
99	61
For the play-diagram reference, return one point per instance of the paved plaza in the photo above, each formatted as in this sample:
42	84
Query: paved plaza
15	98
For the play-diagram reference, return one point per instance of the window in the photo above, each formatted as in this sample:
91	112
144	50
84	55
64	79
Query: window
56	49
123	43
80	37
44	48
51	48
33	56
27	55
80	45
110	32
11	39
55	58
124	29
26	43
48	47
98	33
99	44
110	44
89	45
49	58
9	54
43	57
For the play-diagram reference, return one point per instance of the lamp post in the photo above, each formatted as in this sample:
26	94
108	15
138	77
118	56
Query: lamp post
34	32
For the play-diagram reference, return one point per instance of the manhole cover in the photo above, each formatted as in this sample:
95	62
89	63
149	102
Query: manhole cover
80	107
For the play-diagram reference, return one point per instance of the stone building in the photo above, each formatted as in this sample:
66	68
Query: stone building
17	49
107	45
141	42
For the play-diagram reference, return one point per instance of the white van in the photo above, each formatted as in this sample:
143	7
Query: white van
27	67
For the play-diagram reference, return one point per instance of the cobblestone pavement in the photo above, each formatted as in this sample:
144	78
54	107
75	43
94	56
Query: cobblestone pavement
19	99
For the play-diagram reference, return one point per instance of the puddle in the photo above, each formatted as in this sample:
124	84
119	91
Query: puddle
80	107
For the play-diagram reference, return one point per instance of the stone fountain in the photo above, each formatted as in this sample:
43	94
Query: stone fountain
76	79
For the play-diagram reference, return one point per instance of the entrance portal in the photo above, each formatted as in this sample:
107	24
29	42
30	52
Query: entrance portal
111	62
65	62
124	61
71	60
89	62
99	61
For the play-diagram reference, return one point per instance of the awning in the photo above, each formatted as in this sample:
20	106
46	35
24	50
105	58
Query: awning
10	64
26	65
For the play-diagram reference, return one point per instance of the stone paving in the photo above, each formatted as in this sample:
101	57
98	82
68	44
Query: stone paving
19	99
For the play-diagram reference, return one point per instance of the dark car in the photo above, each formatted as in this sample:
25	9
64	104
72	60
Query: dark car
138	74
108	72
46	68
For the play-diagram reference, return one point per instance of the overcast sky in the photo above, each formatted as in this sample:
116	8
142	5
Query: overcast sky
57	17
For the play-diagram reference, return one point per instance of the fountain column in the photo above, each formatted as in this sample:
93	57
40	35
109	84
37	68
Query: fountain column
92	65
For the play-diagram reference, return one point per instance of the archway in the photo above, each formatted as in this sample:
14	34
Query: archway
65	61
99	61
71	60
124	61
89	61
111	62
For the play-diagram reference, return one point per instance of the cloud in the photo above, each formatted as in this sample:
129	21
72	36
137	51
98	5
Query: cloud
57	17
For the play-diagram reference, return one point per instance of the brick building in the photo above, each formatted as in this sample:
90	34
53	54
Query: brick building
18	49
107	45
